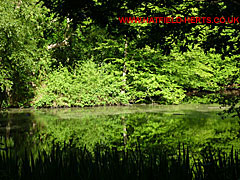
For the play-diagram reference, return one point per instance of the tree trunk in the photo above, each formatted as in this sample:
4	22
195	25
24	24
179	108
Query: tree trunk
124	67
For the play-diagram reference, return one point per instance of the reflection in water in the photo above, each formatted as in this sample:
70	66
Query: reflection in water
124	130
39	136
8	127
149	126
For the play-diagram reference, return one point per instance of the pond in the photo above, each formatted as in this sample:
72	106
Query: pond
119	142
122	127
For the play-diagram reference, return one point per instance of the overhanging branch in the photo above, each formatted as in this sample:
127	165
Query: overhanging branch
66	38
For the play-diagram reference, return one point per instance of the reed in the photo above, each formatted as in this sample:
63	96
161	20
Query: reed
105	163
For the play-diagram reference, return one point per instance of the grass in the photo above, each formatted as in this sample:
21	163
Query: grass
105	163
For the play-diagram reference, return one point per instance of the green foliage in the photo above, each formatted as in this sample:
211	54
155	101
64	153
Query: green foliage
89	131
86	85
166	79
156	127
148	82
21	50
136	59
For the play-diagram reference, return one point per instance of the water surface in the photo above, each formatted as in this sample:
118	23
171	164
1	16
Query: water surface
148	126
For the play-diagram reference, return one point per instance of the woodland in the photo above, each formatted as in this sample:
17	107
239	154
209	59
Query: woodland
67	53
56	55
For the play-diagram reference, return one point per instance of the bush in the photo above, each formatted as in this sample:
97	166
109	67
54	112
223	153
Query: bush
86	85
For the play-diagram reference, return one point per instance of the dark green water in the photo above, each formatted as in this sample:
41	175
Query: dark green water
150	126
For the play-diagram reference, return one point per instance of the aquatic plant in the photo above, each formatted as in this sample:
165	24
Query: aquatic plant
105	163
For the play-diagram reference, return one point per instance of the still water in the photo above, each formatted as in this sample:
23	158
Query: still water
147	126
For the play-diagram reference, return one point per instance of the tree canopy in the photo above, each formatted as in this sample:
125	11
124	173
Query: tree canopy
46	41
221	38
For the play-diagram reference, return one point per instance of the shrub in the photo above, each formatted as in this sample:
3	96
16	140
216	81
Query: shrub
86	85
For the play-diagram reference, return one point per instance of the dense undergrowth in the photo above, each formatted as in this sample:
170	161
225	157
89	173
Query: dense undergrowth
86	85
169	80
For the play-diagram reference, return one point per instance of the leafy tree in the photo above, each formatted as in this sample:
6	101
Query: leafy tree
21	51
145	57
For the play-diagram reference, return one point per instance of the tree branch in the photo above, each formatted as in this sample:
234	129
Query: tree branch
56	45
19	4
66	38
